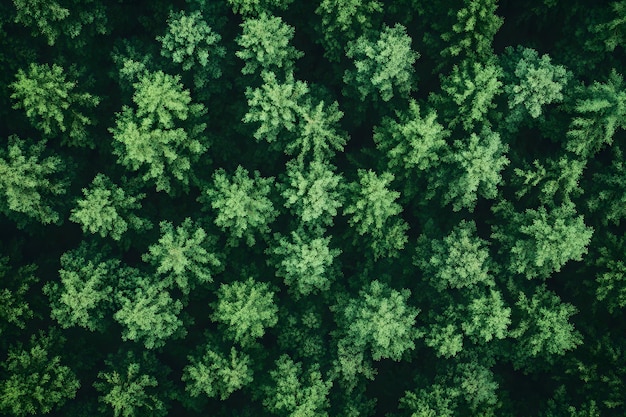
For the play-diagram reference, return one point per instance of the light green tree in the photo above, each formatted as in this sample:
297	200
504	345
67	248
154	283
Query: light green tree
245	309
257	7
107	209
539	242
459	260
83	296
35	380
601	111
129	386
374	212
241	203
53	104
146	311
217	374
305	261
182	256
314	193
380	321
383	67
297	393
30	182
265	45
487	318
15	309
192	43
161	137
531	83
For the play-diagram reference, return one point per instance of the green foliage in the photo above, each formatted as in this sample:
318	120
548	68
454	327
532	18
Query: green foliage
265	43
52	103
241	203
380	320
181	256
305	261
473	169
459	260
107	209
384	67
52	20
296	393
487	318
216	374
469	93
601	111
343	20
532	83
438	400
30	182
314	194
83	297
412	142
544	329
190	42
129	386
539	242
161	138
257	7
613	32
35	381
375	212
611	276
473	32
15	310
147	312
609	195
245	309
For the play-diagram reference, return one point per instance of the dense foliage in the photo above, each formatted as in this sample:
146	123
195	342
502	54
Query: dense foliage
312	208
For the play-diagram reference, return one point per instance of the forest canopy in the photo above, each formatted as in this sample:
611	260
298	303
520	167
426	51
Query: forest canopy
296	208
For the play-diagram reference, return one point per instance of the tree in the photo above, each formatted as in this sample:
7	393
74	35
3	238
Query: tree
412	142
313	194
241	203
613	32
83	297
380	320
531	83
459	260
181	256
374	212
54	19
296	393
217	374
608	196
30	181
468	94
305	261
601	112
544	329
107	209
539	242
473	32
129	385
487	318
35	380
384	67
611	277
245	309
147	312
15	311
257	7
161	138
265	42
192	43
52	103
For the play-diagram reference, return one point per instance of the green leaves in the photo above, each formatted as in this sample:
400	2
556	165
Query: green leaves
30	182
108	210
384	67
52	103
241	203
161	137
35	381
181	255
380	320
246	309
374	212
265	42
